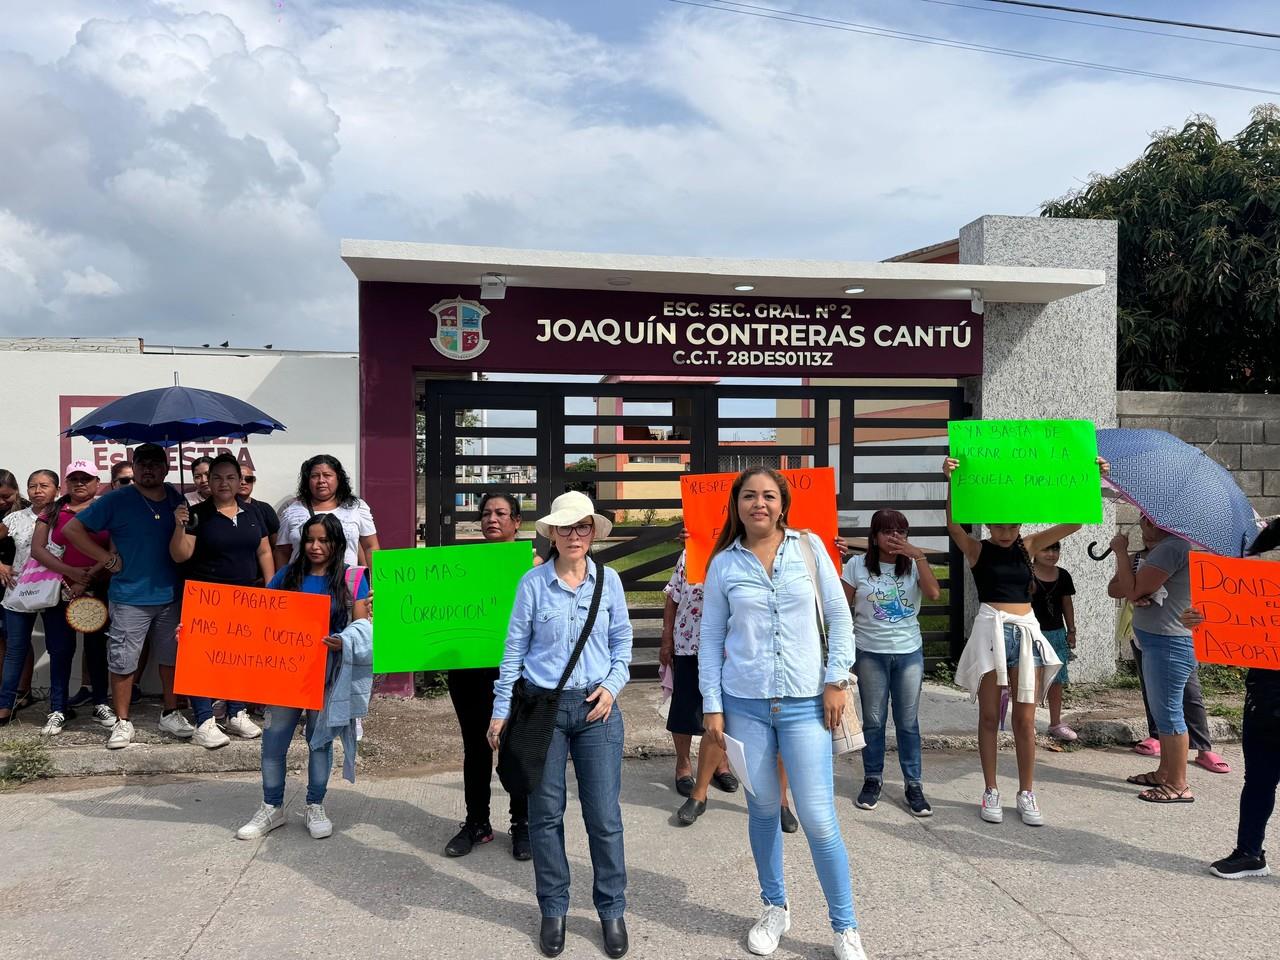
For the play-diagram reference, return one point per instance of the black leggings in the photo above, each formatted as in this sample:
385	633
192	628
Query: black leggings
1261	742
472	694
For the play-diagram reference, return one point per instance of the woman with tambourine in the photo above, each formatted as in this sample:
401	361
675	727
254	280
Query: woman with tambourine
80	609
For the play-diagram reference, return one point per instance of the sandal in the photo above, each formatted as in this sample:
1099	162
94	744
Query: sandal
1149	747
1145	779
1212	762
1166	794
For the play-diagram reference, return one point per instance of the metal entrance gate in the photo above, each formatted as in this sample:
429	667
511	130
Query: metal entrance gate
627	444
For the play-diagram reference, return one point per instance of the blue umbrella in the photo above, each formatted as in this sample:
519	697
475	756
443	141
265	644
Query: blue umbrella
1180	489
173	415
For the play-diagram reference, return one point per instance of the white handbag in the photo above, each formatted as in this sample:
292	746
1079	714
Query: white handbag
37	588
847	736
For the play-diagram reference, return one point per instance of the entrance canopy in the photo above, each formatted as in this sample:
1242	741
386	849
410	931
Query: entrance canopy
394	262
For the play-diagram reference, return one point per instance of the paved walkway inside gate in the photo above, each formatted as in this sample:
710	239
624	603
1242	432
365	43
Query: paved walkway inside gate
127	871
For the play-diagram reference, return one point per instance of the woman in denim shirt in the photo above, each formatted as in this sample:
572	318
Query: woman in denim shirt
764	682
551	607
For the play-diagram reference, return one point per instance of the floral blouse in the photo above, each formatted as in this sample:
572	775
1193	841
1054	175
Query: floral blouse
688	600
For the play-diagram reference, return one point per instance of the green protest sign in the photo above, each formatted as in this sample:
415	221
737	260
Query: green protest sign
444	608
1025	471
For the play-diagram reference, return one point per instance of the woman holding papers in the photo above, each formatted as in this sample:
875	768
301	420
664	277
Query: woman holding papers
319	568
766	683
472	694
552	618
1006	647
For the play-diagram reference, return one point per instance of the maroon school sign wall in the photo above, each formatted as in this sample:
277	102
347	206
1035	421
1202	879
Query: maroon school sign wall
448	329
442	330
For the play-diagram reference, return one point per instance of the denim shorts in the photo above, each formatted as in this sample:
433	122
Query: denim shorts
1013	647
1167	665
1058	640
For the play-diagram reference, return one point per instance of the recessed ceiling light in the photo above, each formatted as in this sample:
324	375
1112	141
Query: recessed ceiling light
855	289
744	287
619	281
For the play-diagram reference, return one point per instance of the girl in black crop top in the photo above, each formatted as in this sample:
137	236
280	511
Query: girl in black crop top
1001	568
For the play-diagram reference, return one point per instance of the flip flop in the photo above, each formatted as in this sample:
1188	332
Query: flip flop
1166	794
1149	747
1212	762
1145	779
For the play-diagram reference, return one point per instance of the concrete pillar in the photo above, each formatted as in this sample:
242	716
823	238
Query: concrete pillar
1058	361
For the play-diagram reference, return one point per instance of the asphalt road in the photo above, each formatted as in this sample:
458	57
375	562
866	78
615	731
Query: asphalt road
152	870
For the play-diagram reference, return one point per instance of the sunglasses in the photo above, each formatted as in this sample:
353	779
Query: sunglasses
123	481
581	529
248	479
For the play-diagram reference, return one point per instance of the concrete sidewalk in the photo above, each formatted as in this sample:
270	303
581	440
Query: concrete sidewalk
948	721
135	871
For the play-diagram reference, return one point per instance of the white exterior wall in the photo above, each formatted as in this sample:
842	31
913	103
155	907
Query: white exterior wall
315	396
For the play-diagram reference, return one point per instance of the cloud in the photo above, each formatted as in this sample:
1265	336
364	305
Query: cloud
187	174
91	282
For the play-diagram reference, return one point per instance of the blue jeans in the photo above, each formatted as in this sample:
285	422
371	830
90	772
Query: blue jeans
1167	665
277	734
792	726
19	627
596	748
60	641
883	677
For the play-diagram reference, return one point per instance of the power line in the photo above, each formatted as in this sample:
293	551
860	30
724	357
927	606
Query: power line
846	26
1104	26
1138	19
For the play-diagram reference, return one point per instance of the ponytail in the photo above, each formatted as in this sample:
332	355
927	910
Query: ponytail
1026	558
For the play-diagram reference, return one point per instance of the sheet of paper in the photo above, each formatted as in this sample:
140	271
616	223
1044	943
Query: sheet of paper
736	754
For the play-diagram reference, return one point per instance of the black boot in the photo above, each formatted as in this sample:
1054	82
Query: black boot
551	936
615	936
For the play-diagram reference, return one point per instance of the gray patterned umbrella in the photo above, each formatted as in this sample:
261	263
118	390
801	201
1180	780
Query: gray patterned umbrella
1180	489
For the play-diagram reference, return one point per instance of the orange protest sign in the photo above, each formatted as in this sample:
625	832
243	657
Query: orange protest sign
253	645
1240	600
705	498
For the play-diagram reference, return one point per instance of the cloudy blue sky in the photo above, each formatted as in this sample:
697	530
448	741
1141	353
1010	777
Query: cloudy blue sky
182	170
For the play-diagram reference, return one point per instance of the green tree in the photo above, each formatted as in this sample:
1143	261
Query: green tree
1199	256
583	465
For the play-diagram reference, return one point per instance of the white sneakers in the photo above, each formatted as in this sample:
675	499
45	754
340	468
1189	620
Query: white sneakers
1029	809
53	724
775	921
318	823
121	735
768	930
991	810
176	725
263	822
208	735
242	726
849	946
104	716
268	818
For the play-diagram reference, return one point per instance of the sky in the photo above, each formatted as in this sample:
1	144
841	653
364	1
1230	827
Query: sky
183	170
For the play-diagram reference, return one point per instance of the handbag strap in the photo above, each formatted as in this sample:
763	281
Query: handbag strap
586	627
811	563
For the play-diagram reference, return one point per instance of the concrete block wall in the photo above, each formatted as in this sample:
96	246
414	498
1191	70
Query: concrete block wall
1239	431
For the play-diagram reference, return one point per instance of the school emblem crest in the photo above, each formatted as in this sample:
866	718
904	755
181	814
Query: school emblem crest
459	329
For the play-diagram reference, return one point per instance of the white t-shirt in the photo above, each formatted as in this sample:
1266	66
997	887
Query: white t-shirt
886	607
356	520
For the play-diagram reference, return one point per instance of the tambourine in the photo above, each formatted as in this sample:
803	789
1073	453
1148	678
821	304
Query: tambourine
86	614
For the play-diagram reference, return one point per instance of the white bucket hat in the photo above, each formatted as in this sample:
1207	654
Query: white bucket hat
570	508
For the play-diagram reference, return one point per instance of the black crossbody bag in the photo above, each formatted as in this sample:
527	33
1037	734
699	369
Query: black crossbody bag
526	738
